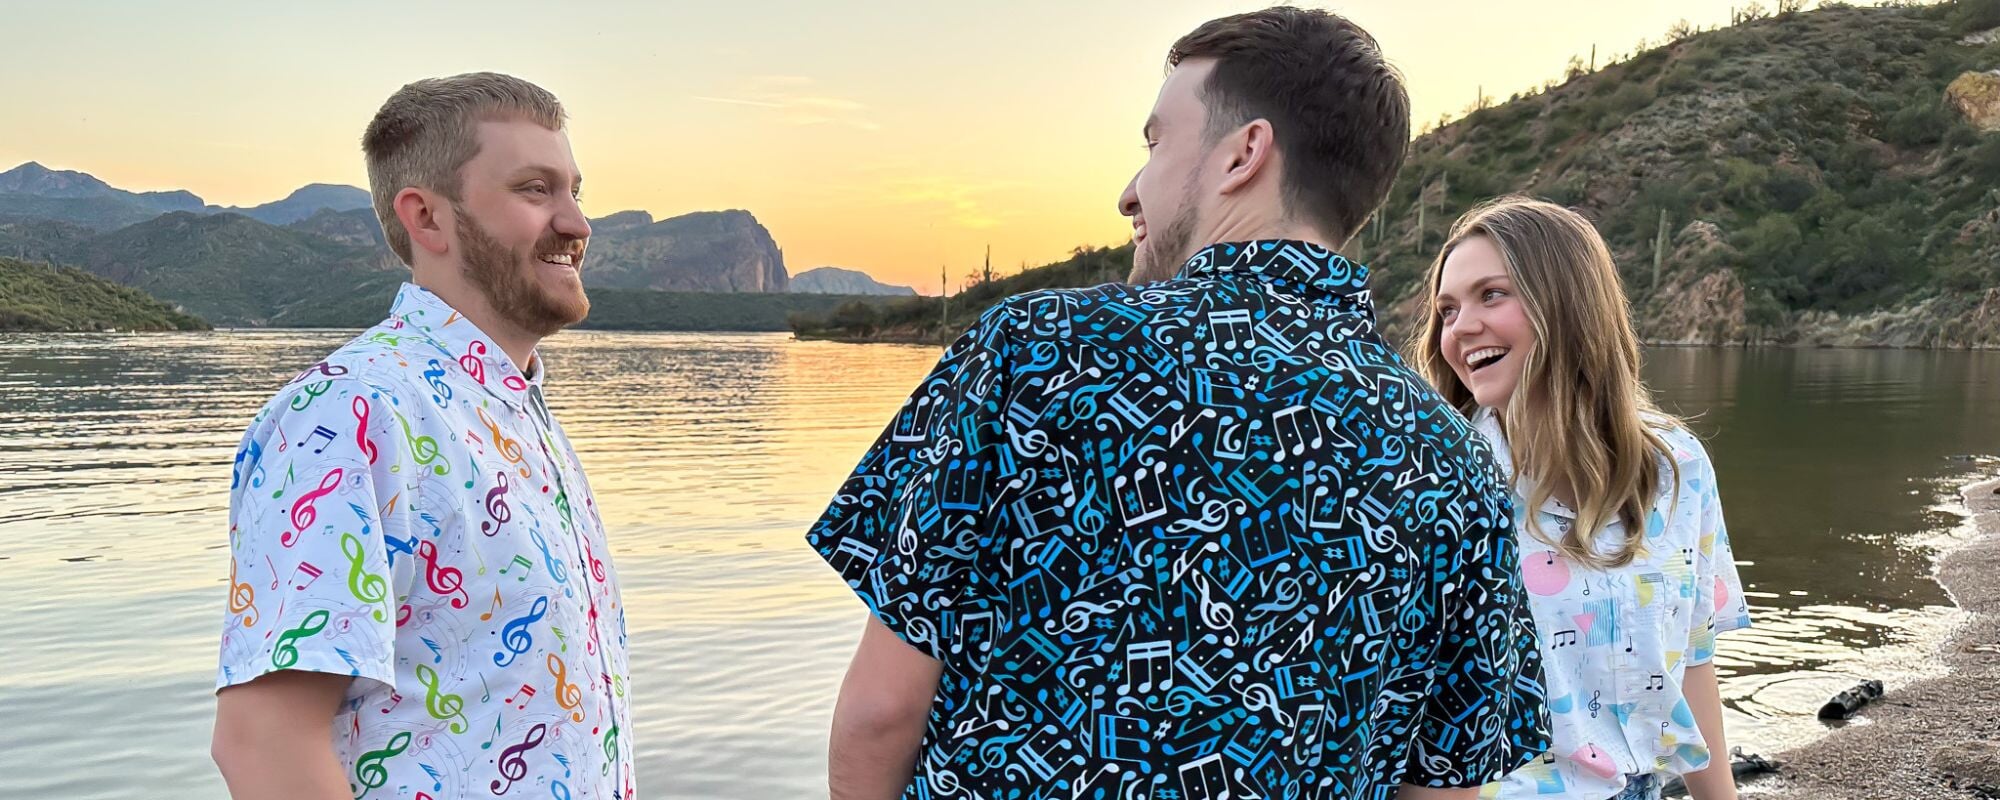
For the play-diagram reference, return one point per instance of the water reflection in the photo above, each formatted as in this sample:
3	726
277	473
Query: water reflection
710	453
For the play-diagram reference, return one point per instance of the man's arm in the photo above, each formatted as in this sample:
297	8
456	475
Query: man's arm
273	737
879	720
1704	697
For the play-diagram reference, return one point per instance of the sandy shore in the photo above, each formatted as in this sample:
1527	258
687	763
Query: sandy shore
1937	739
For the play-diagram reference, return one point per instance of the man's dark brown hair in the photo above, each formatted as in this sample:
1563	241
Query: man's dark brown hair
1337	109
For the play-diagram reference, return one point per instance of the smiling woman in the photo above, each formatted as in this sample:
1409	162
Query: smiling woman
1528	335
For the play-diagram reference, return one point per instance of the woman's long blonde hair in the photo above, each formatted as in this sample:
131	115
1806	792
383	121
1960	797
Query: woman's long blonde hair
1580	415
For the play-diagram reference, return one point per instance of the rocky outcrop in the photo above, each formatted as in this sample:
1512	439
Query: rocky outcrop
1976	96
834	280
707	251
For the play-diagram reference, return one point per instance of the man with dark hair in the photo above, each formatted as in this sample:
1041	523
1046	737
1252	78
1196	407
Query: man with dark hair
411	535
1205	536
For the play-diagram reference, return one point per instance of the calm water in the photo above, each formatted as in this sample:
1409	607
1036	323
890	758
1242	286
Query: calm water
711	453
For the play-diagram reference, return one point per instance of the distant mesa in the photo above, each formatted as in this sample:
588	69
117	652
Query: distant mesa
834	280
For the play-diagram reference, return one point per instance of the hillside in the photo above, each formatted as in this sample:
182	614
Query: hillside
324	269
38	297
834	280
1816	185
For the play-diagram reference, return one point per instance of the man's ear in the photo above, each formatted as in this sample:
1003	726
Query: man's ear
1248	151
426	217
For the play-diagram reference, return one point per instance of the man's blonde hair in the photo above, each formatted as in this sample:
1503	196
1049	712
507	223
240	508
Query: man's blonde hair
427	130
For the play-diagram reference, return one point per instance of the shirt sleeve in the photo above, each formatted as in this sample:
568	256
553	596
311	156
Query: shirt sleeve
1719	604
313	582
905	528
1486	715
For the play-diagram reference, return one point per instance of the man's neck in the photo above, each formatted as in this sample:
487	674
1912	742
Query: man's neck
1242	225
470	303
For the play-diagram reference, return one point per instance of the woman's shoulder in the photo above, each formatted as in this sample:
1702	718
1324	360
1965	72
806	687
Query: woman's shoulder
1690	457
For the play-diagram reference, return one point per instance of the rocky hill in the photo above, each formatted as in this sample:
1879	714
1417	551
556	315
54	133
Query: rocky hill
1824	177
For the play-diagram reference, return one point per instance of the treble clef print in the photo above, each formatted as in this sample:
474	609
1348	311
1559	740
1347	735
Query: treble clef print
1595	706
321	368
242	597
286	654
496	506
610	750
444	580
304	512
440	704
368	768
568	695
473	362
509	448
596	564
423	448
361	430
442	389
312	392
515	636
366	586
512	766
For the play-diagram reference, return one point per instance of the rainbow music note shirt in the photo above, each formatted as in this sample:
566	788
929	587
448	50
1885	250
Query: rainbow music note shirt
409	513
1200	538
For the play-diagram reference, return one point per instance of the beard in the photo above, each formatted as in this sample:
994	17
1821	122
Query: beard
1162	255
508	280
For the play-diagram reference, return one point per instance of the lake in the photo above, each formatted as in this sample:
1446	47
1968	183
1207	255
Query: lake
711	453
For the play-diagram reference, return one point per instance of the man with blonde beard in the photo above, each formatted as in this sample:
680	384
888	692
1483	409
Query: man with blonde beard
411	534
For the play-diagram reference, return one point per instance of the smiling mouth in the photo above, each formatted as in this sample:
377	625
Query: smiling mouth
565	260
1484	357
1139	232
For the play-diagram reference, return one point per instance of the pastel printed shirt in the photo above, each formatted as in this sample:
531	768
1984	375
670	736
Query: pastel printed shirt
1616	643
407	512
1198	539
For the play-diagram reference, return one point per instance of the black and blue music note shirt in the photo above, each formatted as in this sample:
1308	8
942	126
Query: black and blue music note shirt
1201	538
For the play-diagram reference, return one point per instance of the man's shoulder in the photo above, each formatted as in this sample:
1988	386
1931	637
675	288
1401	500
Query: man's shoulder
1098	312
380	359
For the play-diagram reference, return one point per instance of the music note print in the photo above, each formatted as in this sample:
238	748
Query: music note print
512	766
304	512
368	448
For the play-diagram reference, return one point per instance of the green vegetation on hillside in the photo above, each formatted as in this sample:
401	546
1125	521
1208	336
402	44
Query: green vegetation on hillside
1806	157
1818	143
37	297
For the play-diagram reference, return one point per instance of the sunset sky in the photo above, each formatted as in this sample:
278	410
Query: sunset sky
890	137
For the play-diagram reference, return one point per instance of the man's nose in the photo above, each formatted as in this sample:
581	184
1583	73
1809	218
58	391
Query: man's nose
1128	200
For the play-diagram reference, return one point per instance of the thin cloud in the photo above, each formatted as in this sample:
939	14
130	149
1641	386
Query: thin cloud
959	201
796	107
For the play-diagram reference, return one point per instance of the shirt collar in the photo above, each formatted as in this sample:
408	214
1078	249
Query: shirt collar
456	337
1305	265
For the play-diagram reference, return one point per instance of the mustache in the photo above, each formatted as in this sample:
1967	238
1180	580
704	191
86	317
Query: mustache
559	244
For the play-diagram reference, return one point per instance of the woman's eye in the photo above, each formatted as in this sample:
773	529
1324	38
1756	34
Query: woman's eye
1492	294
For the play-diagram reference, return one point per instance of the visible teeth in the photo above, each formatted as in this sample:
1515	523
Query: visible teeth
564	259
1485	354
